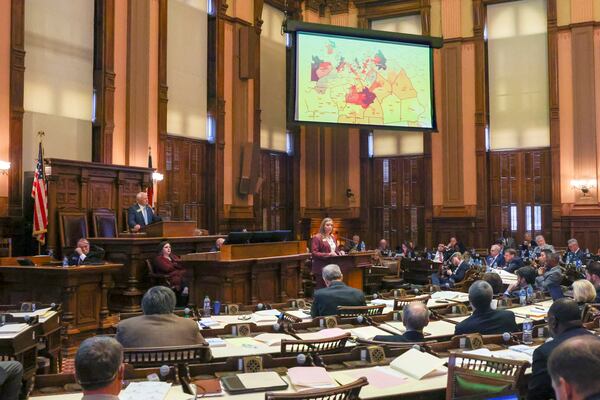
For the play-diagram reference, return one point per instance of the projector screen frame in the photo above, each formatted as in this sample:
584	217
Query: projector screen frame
292	27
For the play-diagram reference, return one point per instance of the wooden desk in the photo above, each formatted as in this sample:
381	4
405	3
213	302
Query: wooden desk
21	346
235	276
132	281
354	266
82	291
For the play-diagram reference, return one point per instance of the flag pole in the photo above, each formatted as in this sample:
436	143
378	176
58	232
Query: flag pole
41	135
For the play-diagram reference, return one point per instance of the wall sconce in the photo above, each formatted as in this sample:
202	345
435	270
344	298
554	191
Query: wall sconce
157	176
4	167
584	185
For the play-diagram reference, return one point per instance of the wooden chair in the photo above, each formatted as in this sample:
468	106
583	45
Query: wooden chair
5	247
400	303
591	312
331	345
171	355
471	376
104	223
355	311
344	392
157	279
73	226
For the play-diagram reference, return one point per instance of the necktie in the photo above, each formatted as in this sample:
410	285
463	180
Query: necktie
144	215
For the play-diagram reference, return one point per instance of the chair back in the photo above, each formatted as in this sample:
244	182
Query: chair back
591	312
156	279
555	292
401	302
355	311
104	223
470	376
171	355
321	346
5	247
344	392
73	226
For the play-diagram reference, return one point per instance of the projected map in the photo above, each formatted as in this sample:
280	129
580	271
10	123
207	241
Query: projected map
362	81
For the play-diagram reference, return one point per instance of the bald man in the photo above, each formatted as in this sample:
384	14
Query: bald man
415	317
140	214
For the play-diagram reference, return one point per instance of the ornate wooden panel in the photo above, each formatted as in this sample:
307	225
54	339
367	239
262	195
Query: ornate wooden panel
271	203
520	196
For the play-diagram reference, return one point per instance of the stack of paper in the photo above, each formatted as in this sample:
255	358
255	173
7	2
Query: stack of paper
367	332
215	342
146	391
12	328
418	365
258	380
299	314
273	339
310	378
207	322
522	348
378	377
378	302
323	334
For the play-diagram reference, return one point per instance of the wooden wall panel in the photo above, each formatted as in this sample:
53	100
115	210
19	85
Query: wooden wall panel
185	192
272	202
17	83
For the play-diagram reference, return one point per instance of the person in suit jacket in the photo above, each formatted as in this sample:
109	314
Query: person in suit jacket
11	377
550	276
528	246
141	214
592	274
415	317
484	320
564	323
511	261
454	273
322	247
158	327
495	259
327	300
574	367
86	254
575	255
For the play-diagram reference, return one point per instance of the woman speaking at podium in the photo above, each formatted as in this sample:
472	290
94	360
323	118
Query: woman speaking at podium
322	248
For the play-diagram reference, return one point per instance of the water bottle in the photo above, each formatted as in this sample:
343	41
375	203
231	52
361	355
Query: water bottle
65	262
528	330
522	297
206	308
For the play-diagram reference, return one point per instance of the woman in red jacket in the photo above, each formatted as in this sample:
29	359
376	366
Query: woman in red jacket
168	264
322	247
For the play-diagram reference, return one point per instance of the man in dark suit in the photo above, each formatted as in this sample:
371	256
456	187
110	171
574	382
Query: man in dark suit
158	327
564	323
511	261
574	367
495	259
415	317
84	254
484	320
453	274
336	293
141	214
575	255
592	274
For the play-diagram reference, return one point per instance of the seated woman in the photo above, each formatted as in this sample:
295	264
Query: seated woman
583	293
168	264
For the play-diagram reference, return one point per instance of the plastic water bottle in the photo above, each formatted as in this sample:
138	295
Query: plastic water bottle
523	297
206	308
65	262
528	330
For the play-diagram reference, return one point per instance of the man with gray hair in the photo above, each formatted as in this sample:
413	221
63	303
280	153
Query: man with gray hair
484	320
336	293
574	255
140	214
99	368
415	317
541	245
158	326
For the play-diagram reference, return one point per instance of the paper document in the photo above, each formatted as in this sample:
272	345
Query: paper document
215	342
145	391
378	377
522	348
512	355
417	364
378	302
273	339
12	328
299	314
479	352
257	380
323	334
310	377
268	312
367	332
208	322
39	312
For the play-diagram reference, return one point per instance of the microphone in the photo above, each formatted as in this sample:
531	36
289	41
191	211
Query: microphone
506	337
260	306
375	296
276	326
417	347
186	311
164	372
416	291
360	319
300	359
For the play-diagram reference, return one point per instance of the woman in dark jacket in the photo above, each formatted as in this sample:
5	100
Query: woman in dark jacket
169	264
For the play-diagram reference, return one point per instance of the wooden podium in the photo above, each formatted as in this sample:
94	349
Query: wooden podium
248	273
354	266
170	229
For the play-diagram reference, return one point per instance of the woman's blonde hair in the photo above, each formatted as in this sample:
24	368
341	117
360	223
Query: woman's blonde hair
584	291
322	227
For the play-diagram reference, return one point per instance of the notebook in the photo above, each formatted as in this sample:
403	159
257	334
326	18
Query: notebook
418	365
253	382
273	339
310	378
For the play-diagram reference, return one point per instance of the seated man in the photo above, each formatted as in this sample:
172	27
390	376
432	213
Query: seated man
454	246
415	317
218	243
575	255
383	249
550	275
86	254
511	261
525	281
495	259
450	277
440	254
99	368
355	245
484	320
541	245
335	294
158	326
564	324
574	367
592	274
528	246
140	214
494	280
11	377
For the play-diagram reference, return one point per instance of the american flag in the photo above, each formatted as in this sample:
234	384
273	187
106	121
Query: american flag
40	197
